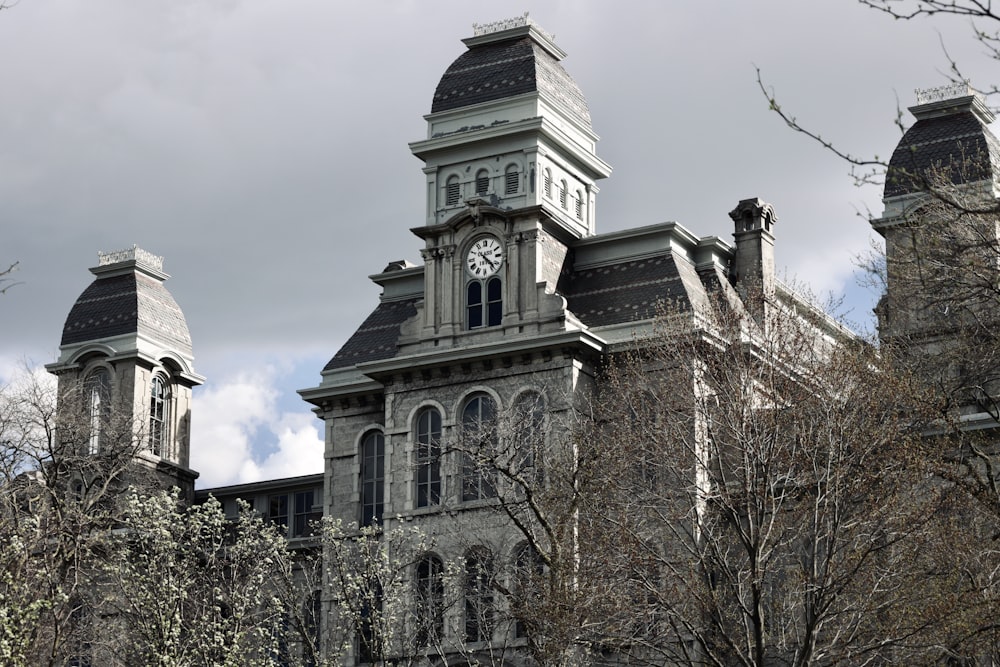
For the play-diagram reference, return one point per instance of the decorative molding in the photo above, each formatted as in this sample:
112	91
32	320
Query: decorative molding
480	29
135	253
438	252
941	93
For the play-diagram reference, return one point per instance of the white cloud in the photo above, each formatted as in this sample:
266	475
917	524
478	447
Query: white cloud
240	435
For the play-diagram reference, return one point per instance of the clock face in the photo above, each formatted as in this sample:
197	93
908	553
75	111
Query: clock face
484	258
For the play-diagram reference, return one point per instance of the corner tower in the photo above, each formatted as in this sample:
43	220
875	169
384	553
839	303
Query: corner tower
939	220
126	364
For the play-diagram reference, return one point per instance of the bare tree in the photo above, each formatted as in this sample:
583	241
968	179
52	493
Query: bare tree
759	500
6	281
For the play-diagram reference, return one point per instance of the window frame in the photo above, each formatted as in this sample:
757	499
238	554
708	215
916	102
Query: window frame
427	457
159	417
428	583
371	478
484	309
482	182
452	191
512	181
478	420
480	602
97	397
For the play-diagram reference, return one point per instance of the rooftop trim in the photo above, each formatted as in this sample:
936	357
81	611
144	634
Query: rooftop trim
480	29
135	253
940	93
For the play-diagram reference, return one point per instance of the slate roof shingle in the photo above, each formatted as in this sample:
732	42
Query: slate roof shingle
624	292
376	338
125	304
498	70
958	144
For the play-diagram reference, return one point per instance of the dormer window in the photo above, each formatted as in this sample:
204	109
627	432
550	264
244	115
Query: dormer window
482	182
452	191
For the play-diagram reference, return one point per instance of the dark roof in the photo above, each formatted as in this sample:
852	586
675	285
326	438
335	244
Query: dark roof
125	304
376	337
626	292
958	145
502	69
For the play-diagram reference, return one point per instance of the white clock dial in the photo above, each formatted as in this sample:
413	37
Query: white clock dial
484	257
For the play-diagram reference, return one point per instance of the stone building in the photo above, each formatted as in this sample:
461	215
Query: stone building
126	355
517	303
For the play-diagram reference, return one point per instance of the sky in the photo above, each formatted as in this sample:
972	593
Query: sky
261	148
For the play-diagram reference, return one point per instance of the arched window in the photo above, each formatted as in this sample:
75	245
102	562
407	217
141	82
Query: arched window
479	448
562	193
579	205
372	478
371	646
159	417
512	180
482	182
529	568
97	397
428	458
452	191
430	600
480	311
479	607
528	431
547	183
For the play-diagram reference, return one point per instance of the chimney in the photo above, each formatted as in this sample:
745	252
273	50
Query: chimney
753	266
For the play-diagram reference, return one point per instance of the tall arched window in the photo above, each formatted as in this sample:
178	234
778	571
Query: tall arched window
579	205
430	600
478	448
484	303
159	417
528	431
428	458
372	478
97	397
562	193
479	607
452	191
547	183
529	570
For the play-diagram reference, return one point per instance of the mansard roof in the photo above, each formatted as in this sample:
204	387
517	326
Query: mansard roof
612	292
508	63
127	297
628	291
376	338
950	140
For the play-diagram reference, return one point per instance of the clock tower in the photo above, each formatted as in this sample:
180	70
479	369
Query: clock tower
511	174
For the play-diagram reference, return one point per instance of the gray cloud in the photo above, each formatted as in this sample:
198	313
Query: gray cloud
262	147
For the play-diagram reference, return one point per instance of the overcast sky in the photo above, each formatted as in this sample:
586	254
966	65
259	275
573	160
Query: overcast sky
261	148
